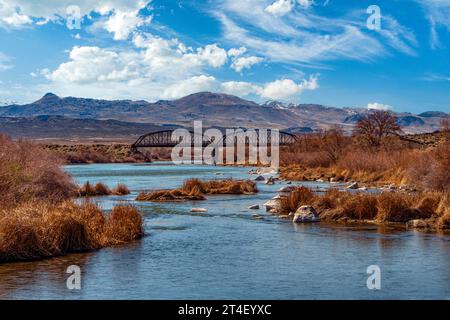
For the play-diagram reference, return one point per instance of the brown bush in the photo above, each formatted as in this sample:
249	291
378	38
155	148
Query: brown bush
28	172
124	224
38	230
121	190
195	189
99	189
296	198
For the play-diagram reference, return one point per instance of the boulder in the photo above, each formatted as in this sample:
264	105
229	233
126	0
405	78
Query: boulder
333	180
199	210
362	188
254	207
289	182
260	178
417	223
306	214
273	205
286	189
353	185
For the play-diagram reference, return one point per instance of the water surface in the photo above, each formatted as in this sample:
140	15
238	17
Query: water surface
227	254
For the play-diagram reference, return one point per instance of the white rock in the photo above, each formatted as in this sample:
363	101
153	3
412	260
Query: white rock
273	205
199	210
286	189
306	214
416	223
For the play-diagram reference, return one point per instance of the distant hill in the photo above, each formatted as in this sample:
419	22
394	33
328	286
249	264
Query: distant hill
72	116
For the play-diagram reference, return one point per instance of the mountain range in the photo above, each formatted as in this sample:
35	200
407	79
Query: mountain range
53	116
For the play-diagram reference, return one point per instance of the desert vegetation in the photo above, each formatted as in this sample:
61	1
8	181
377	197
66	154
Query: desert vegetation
105	153
38	219
100	189
335	205
370	157
376	154
195	189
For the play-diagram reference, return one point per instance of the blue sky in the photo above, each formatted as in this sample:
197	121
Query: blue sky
323	51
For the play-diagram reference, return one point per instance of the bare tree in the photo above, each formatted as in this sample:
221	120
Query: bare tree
376	126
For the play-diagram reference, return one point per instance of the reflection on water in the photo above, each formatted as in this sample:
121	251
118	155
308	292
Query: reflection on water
227	254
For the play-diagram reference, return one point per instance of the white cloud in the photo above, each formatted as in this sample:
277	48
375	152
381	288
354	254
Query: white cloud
5	62
379	106
239	88
287	88
233	52
191	85
122	23
305	3
304	37
438	13
213	55
245	63
121	16
280	7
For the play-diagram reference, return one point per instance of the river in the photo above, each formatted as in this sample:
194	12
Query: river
227	254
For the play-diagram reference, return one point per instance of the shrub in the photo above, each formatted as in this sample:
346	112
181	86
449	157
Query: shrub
121	189
28	172
296	198
38	230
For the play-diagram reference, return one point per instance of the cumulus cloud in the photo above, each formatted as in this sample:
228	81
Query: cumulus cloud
233	52
280	7
245	63
121	16
191	85
379	106
122	23
286	88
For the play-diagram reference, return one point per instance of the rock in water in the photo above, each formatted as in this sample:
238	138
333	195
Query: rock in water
286	189
199	210
254	207
260	178
273	205
417	223
270	180
353	185
306	214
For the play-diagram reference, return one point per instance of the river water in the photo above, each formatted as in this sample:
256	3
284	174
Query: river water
227	254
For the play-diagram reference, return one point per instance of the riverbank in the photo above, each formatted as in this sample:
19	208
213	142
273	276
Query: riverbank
104	153
426	210
39	219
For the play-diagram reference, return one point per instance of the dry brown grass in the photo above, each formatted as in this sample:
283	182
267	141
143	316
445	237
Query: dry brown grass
28	172
298	197
121	190
100	189
38	230
344	158
337	205
195	189
170	195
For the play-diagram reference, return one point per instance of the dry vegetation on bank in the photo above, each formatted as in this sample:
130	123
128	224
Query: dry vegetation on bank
332	155
336	205
37	217
195	189
104	153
